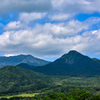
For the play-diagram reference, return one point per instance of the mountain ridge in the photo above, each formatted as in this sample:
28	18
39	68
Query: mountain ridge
29	59
73	63
26	66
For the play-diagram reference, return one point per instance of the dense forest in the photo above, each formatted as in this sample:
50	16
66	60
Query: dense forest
71	77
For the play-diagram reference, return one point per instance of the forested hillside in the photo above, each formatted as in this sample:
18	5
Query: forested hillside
72	64
13	79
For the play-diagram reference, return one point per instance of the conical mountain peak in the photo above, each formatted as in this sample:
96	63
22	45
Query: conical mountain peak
73	51
71	54
73	63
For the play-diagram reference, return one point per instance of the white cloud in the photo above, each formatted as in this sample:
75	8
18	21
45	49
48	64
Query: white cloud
13	25
50	39
60	17
93	32
77	6
23	21
93	20
28	17
8	55
62	29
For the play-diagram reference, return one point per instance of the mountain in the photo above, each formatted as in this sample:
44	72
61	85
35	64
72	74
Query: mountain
26	66
13	79
96	60
14	60
73	63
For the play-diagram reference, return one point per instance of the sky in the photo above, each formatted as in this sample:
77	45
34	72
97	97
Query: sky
49	28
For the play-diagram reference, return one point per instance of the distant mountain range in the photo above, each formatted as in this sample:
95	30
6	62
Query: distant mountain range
73	64
14	60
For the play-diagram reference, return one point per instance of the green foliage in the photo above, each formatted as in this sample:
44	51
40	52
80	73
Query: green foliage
96	97
16	80
79	95
26	66
13	79
74	94
56	96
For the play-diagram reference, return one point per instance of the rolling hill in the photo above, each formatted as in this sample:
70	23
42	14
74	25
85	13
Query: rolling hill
26	66
13	79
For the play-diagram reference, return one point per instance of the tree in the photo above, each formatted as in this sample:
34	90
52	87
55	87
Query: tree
79	94
96	97
56	96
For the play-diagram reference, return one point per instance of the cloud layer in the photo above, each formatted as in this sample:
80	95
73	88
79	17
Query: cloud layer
49	39
48	28
25	6
52	6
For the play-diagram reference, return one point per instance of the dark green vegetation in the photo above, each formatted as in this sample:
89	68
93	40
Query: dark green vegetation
14	60
17	82
15	79
26	66
97	60
71	64
73	94
77	94
72	71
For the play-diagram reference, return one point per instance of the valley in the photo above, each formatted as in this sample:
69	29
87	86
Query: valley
71	71
62	84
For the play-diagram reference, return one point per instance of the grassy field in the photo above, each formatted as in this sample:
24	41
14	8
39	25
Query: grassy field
20	95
